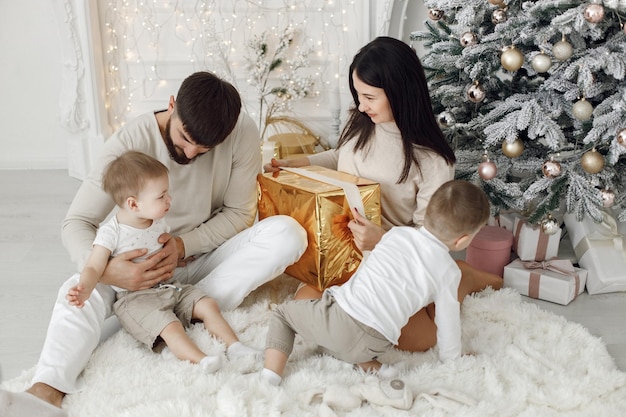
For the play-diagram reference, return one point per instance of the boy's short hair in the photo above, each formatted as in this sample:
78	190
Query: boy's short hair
455	209
126	175
208	107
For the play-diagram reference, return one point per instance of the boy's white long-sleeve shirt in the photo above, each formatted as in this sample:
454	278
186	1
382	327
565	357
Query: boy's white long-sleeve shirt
408	269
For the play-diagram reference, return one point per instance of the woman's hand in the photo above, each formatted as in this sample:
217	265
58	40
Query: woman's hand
275	164
366	234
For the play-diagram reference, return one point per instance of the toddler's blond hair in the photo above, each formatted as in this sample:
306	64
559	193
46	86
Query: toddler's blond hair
126	175
457	208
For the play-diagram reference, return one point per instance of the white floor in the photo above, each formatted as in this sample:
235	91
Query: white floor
33	264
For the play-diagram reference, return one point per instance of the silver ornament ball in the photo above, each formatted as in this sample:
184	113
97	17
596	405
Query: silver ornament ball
551	168
468	39
621	137
435	14
512	59
562	50
594	13
499	16
582	110
476	93
608	197
550	225
541	63
445	119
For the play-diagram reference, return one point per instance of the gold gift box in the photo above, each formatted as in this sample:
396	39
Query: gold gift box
322	209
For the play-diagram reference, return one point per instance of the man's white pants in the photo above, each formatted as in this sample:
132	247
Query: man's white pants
228	274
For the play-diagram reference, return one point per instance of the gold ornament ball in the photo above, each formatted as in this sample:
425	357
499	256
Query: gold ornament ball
512	59
499	16
551	168
608	197
594	13
435	14
621	137
487	170
497	2
562	50
468	39
550	225
476	93
592	161
513	149
541	63
582	110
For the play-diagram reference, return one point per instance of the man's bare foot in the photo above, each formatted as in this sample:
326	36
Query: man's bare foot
47	393
22	404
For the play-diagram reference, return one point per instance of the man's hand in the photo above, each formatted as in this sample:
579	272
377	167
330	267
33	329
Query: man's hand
122	272
180	253
173	249
365	233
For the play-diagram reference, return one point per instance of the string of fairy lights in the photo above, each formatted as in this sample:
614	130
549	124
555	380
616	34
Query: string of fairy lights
149	43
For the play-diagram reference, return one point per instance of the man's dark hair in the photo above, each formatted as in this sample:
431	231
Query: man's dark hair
208	108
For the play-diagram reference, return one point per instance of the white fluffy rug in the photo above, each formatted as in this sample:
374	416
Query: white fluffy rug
525	362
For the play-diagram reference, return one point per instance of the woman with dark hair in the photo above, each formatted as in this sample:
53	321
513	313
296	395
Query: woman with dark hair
392	137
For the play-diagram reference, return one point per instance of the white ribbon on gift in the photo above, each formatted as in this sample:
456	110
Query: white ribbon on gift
560	266
350	190
607	235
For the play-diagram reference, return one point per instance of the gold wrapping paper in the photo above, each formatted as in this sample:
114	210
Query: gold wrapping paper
322	209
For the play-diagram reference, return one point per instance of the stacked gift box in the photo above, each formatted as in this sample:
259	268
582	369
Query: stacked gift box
595	251
539	271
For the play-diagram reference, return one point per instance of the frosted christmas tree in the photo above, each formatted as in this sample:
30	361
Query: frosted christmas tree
532	96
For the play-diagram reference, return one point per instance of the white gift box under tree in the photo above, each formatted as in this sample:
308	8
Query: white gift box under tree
530	243
556	280
600	250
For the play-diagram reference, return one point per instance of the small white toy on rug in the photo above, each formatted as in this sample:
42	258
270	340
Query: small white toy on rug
450	401
391	393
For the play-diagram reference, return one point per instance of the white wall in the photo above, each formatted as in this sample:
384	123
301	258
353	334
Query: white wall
33	136
30	68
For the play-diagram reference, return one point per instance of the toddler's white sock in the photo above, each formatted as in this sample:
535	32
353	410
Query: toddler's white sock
271	377
210	364
238	350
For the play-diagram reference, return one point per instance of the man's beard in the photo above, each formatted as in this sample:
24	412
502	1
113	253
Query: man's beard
176	154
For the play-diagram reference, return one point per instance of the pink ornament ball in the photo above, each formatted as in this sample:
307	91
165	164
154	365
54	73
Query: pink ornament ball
487	170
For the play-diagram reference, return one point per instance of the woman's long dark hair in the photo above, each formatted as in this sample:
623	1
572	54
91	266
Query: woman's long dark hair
392	65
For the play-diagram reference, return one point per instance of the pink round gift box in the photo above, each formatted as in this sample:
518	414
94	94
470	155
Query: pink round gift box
490	250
